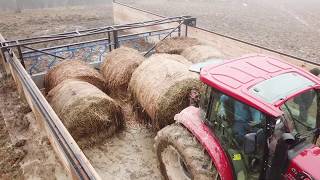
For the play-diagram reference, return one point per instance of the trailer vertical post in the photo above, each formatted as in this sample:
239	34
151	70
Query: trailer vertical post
109	41
179	30
186	32
3	59
115	39
21	56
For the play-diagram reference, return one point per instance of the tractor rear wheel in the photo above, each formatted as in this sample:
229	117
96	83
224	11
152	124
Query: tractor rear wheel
181	156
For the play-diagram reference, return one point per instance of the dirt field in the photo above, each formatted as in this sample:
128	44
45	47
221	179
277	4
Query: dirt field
37	22
291	26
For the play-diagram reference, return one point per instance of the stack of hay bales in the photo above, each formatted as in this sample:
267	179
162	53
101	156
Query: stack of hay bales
175	45
161	86
201	53
73	69
118	68
89	114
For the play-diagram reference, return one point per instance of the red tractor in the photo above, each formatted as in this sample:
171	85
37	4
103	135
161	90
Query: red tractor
257	119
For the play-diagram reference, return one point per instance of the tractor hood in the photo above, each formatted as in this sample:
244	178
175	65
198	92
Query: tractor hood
305	165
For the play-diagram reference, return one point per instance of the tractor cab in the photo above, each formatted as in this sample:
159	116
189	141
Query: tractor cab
265	114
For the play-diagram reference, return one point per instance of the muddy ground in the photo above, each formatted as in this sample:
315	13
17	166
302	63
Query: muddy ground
10	155
127	155
290	26
25	150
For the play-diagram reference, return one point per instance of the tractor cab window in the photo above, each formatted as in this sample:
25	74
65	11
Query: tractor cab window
233	122
204	102
302	112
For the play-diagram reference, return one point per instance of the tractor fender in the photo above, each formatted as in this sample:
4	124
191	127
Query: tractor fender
190	118
304	164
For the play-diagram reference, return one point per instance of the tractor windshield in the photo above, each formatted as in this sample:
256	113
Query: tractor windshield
302	112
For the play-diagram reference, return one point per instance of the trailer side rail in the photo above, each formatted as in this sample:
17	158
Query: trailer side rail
38	54
71	156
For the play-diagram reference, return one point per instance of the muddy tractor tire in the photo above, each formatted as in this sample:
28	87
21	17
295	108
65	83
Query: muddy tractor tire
181	156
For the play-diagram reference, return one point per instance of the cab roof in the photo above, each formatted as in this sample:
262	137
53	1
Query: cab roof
260	81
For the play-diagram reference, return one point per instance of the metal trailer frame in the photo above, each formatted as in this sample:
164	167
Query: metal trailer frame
36	47
71	156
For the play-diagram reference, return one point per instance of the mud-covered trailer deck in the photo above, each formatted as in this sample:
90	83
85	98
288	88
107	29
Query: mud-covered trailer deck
27	60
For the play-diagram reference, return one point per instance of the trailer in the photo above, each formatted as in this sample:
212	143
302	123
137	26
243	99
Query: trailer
27	61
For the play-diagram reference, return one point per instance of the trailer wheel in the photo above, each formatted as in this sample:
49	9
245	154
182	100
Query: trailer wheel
181	156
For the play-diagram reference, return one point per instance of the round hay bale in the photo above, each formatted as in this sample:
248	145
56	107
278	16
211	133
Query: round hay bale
175	57
119	66
89	114
175	45
201	53
75	70
161	88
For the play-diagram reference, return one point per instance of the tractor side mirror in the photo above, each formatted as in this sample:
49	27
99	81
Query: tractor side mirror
252	140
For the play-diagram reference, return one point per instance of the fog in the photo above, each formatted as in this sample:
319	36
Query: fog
18	5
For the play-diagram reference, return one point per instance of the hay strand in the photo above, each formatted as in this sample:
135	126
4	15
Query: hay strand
175	45
175	57
201	53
